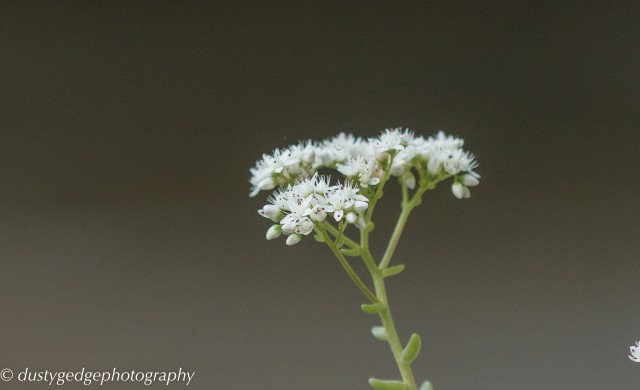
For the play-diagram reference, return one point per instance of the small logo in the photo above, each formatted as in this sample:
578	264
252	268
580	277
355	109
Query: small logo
6	374
634	352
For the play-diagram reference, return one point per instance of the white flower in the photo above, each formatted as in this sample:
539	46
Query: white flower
402	162
304	226
304	152
634	352
437	150
320	183
261	178
265	173
366	170
343	199
299	206
338	149
284	166
448	142
392	139
302	198
317	213
459	161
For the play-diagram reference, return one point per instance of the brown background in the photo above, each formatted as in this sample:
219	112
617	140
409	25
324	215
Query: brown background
127	237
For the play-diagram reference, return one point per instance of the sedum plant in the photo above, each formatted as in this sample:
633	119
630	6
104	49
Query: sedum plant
340	213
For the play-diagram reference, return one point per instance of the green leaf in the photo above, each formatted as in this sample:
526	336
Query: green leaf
380	333
391	271
426	386
373	308
351	252
378	384
412	349
318	238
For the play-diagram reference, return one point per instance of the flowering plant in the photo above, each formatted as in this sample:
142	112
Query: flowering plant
303	202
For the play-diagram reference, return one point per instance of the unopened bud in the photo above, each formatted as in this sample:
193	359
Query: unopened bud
360	206
293	239
470	180
409	180
274	232
272	212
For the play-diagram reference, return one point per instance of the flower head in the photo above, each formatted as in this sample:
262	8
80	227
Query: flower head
392	140
309	201
301	198
634	352
366	170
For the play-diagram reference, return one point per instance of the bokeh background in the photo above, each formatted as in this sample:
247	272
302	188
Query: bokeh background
128	240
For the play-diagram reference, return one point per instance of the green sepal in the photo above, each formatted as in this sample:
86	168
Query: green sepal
391	271
378	384
351	252
373	308
380	333
412	349
426	386
318	237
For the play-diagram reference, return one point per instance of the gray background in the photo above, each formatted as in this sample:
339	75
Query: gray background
128	240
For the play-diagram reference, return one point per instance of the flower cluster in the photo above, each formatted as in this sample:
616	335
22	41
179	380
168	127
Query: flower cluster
298	207
302	198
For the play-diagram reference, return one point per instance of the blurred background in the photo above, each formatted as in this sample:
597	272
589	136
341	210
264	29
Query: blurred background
128	239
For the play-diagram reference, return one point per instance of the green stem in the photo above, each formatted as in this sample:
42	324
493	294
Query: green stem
408	204
378	281
379	191
345	264
407	207
335	232
392	334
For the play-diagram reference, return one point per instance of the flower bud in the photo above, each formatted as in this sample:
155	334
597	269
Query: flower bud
288	227
317	213
274	232
469	180
293	239
272	212
266	184
409	180
426	385
350	217
360	206
397	169
305	226
434	166
460	191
